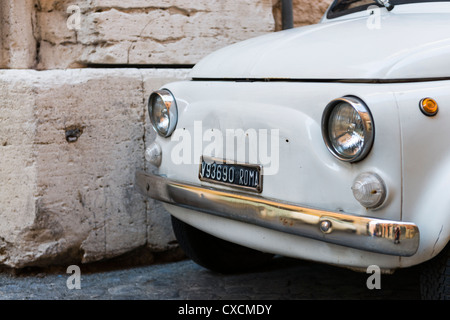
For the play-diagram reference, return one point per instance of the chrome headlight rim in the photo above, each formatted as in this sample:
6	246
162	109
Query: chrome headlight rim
368	127
169	100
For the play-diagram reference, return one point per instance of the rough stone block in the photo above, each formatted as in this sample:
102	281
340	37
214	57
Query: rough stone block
71	142
18	43
309	12
305	12
145	32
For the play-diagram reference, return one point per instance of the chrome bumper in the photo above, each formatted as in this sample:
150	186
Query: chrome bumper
370	234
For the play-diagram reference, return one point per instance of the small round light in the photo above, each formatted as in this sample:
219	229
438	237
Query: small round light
163	112
153	154
369	189
429	106
347	129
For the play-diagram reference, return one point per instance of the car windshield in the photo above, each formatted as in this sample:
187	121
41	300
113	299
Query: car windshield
343	7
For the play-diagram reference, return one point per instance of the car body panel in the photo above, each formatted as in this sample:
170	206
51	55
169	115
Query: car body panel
308	174
345	49
426	162
295	109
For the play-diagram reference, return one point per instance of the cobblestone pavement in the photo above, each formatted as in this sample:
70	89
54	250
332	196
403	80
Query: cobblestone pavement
284	279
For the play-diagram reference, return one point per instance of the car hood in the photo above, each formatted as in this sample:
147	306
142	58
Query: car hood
406	46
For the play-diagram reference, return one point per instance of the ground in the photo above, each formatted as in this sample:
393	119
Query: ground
284	279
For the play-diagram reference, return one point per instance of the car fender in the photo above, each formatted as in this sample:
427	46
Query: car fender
426	164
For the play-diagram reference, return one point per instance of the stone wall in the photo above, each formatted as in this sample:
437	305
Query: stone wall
73	124
71	141
309	12
305	12
17	26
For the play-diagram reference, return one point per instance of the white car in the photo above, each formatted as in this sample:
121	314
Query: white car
328	142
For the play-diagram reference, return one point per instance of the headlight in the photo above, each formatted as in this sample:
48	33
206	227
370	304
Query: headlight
347	129
163	112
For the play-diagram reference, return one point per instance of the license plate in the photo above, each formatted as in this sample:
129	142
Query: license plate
237	175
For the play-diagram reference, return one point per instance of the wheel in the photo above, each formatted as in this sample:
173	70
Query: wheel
216	254
435	277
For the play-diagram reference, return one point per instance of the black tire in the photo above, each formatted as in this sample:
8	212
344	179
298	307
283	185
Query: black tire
435	277
216	254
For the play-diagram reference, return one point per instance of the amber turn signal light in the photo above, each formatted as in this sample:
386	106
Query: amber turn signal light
429	106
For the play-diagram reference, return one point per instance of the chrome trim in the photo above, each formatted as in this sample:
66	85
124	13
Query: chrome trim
369	128
386	3
365	233
171	106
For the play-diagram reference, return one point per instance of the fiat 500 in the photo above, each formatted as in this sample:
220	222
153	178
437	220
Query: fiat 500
327	142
